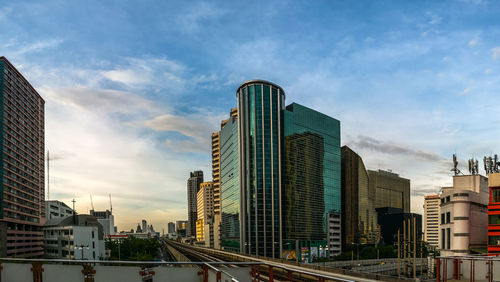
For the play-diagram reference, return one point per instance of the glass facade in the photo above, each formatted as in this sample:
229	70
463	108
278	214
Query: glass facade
230	186
390	190
259	114
357	202
311	180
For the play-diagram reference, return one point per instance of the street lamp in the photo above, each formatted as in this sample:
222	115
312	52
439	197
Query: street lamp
82	246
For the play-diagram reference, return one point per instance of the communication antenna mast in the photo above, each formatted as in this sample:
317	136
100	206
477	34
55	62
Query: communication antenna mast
91	202
110	204
455	165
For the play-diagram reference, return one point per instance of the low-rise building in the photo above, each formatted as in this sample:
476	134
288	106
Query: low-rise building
494	214
106	219
74	237
56	208
463	215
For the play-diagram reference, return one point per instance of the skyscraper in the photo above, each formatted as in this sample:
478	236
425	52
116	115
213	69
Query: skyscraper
230	186
359	219
311	179
216	177
193	186
431	220
22	211
260	105
391	190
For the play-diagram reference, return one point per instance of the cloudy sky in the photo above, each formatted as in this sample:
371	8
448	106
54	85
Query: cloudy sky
133	89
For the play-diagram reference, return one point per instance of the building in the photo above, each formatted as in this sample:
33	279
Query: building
22	210
311	180
431	220
392	220
494	214
216	178
205	205
54	208
391	190
74	237
359	218
180	227
171	227
144	225
106	219
260	106
230	186
463	215
193	186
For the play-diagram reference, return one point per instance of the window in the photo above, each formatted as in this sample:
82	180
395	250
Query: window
442	218
92	234
448	217
93	245
494	219
443	239
448	238
495	196
494	240
447	199
442	200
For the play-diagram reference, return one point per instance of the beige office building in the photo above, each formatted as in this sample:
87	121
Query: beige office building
463	215
431	220
205	205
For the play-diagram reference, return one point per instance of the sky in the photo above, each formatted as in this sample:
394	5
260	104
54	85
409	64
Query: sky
134	89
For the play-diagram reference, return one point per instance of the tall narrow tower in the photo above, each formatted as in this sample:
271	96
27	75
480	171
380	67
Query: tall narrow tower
193	186
22	172
260	105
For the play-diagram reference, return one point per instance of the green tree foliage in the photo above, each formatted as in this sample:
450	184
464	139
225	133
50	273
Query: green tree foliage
134	249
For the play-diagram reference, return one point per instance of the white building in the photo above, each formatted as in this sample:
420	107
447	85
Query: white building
334	235
463	215
106	219
431	219
75	237
55	209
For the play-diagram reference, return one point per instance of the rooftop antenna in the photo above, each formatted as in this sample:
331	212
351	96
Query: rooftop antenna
455	165
91	202
110	204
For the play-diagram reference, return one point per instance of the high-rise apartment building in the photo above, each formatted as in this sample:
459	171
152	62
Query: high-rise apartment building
391	190
311	179
494	214
205	213
260	106
230	186
22	211
359	219
193	186
431	219
463	215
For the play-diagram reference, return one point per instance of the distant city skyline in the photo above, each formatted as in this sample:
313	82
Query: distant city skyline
134	91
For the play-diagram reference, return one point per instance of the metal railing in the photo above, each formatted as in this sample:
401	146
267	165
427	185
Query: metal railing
468	268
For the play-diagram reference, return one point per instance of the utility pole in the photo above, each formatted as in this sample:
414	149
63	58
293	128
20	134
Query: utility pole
399	253
404	246
414	247
48	176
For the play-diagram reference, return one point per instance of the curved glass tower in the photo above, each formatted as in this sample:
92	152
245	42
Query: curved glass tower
260	105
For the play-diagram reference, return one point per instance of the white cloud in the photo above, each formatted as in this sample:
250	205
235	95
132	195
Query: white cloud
495	53
473	42
466	91
197	14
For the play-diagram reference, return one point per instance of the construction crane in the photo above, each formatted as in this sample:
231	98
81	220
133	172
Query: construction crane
91	202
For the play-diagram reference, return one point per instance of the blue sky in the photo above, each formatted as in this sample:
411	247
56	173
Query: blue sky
133	89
